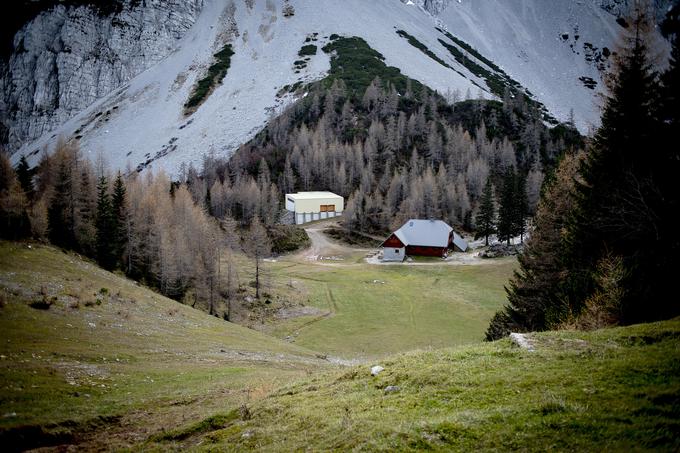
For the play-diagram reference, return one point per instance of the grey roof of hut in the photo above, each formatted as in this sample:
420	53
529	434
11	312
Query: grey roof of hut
459	242
429	233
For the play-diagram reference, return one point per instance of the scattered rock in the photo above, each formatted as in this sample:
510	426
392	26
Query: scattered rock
522	340
244	412
247	434
91	324
499	250
392	388
375	370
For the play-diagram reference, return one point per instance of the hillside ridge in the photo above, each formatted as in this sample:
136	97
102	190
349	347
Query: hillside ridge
612	389
262	39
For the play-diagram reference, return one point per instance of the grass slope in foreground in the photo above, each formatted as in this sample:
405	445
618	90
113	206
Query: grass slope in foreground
133	364
610	390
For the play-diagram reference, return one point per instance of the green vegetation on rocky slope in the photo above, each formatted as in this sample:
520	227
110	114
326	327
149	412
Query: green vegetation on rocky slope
609	390
111	354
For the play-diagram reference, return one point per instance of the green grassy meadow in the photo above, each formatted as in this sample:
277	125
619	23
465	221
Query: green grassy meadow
376	310
134	362
111	365
610	390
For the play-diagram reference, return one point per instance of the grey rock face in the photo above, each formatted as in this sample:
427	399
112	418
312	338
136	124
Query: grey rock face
68	57
618	8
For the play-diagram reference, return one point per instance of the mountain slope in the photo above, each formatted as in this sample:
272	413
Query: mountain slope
266	45
557	50
613	389
111	354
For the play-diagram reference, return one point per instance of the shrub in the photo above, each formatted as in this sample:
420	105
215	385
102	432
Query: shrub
43	303
354	62
216	73
288	10
603	308
287	238
422	47
309	49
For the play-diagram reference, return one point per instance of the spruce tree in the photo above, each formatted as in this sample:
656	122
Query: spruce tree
521	206
208	203
105	226
61	229
119	219
25	177
533	300
486	217
85	213
507	217
666	255
620	204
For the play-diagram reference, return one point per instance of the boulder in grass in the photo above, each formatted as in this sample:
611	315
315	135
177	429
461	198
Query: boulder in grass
376	369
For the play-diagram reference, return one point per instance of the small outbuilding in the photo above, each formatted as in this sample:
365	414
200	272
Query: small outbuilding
309	206
422	238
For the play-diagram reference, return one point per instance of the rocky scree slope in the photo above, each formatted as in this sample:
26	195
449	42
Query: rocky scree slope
95	97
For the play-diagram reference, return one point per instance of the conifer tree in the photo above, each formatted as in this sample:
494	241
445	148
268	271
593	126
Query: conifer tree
619	200
61	228
533	298
104	225
14	221
507	213
85	212
25	177
486	217
667	253
521	207
258	246
119	218
207	202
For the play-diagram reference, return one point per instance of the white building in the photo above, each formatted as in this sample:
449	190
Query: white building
309	206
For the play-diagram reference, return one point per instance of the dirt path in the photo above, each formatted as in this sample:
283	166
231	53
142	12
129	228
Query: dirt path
320	242
324	250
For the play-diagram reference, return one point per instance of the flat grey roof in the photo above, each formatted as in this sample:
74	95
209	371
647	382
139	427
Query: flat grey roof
311	195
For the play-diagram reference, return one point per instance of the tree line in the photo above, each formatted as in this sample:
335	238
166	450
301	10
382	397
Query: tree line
393	153
145	226
509	220
398	155
605	247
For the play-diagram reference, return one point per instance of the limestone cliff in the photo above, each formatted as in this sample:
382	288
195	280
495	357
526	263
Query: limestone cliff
69	56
